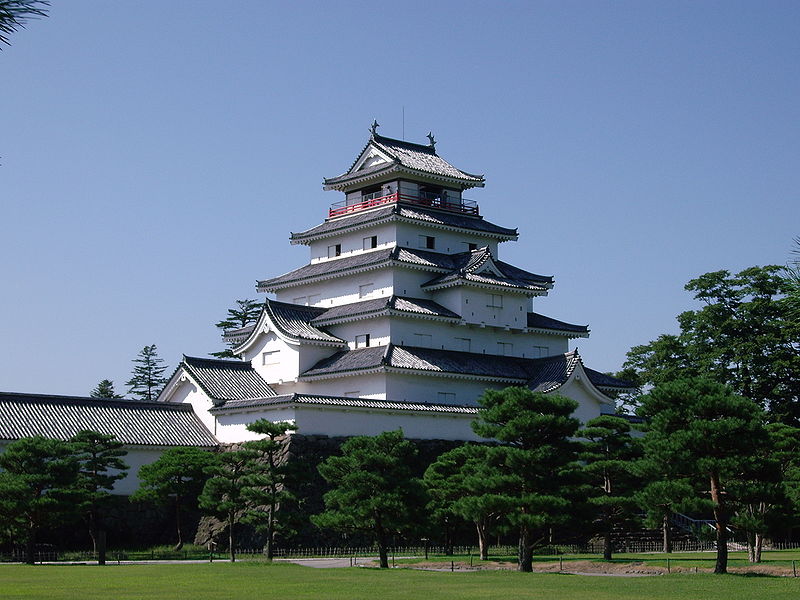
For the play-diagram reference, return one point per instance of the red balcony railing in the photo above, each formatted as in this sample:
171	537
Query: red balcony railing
338	209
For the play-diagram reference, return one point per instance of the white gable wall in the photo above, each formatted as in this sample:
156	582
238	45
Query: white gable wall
187	392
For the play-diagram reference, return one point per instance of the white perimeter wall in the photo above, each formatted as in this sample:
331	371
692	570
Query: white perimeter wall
315	420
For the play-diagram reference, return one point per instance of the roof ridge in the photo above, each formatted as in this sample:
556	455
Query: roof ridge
217	361
382	139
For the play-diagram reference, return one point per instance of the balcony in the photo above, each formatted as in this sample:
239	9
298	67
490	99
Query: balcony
464	206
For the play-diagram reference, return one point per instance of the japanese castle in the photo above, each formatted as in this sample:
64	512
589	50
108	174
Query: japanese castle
402	317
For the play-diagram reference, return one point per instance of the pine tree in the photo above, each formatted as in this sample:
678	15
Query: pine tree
462	483
100	458
708	434
245	313
537	473
148	375
37	482
177	478
14	14
224	492
104	389
372	488
266	485
607	455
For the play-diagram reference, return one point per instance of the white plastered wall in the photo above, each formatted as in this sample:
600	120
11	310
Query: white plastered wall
187	392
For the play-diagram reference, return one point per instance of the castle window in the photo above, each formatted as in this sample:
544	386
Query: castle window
463	344
270	358
335	250
541	351
505	349
354	394
471	246
427	241
423	340
362	341
446	397
313	299
365	290
495	301
370	242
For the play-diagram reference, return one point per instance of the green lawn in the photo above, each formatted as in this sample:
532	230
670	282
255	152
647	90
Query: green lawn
258	580
782	558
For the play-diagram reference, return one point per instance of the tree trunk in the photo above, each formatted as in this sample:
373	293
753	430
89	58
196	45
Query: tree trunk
666	534
751	546
231	537
607	545
382	554
721	524
759	545
270	532
101	547
483	542
179	544
30	545
525	551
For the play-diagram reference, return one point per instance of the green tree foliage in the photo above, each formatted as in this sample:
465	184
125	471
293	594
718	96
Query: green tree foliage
177	477
608	454
792	278
744	337
266	485
100	463
765	487
667	488
104	389
223	493
372	488
463	483
246	312
37	485
538	458
708	433
14	14
148	374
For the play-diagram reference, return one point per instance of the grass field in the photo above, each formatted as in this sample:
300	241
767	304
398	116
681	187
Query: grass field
255	580
702	560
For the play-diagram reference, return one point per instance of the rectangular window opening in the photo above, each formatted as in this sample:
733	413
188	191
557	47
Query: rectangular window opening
335	250
446	397
365	290
362	341
370	242
495	301
427	241
505	348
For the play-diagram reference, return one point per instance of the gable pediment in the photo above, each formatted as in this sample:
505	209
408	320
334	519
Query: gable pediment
369	159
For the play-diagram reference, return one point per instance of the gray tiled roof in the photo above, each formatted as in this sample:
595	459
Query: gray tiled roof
132	422
404	212
347	403
539	321
424	359
294	320
602	380
419	258
416	157
416	306
540	374
466	266
327	267
225	380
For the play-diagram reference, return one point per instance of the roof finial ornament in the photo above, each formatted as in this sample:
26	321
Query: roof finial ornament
431	140
374	127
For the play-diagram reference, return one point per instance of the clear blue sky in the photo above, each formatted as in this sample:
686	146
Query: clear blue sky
154	156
